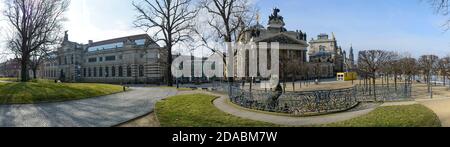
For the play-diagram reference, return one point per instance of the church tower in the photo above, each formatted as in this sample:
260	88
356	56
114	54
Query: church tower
351	56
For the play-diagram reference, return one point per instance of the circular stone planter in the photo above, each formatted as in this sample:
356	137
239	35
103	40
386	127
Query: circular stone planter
306	103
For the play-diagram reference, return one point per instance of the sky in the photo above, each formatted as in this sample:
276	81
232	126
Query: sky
406	26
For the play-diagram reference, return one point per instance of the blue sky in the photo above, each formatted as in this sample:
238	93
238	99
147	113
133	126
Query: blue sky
401	25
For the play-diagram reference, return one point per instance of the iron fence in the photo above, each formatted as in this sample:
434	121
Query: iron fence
315	102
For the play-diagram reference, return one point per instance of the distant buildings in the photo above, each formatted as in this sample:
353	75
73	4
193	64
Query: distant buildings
130	59
10	68
326	57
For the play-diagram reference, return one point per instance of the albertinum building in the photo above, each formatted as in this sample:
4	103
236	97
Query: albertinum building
130	59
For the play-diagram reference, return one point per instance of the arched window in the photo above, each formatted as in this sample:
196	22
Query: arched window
120	71
106	71
128	71
113	71
322	48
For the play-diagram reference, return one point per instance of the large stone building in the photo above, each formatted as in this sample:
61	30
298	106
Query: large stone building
131	59
326	58
326	50
293	45
10	68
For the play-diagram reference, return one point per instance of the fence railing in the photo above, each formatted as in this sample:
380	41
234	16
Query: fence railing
315	102
383	92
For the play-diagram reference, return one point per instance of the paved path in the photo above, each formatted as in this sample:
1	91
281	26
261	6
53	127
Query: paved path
103	111
441	107
223	105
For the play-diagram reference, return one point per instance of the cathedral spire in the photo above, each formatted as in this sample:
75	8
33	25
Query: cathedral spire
351	55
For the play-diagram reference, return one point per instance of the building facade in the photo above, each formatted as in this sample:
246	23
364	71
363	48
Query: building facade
10	68
326	50
131	59
293	45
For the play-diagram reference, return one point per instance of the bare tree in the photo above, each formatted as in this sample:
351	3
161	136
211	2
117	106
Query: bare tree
228	19
37	58
294	70
443	68
428	65
171	18
371	62
33	24
441	7
409	68
395	68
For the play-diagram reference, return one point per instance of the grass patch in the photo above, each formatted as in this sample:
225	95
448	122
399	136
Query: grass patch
394	116
197	110
9	79
38	92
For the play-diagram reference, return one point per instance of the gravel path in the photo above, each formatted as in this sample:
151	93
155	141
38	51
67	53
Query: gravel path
103	111
441	108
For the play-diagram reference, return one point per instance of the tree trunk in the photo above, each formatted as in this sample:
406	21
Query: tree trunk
428	83
24	70
395	81
251	85
169	65
374	88
293	83
443	78
34	73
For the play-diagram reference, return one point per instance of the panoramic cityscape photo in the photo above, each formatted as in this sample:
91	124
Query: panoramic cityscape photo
224	63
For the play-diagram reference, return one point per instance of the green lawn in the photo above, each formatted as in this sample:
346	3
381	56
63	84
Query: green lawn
394	116
197	110
9	79
178	89
42	91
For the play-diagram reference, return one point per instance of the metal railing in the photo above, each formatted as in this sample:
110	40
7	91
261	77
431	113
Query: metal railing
316	102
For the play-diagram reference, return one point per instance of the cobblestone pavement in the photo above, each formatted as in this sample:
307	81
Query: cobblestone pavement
103	111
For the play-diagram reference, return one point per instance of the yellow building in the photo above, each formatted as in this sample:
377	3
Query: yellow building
347	76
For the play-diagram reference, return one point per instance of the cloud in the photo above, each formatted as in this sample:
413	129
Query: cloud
86	22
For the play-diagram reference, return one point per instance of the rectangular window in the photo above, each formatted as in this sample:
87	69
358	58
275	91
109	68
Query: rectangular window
110	58
100	59
89	72
113	71
95	72
92	60
84	72
141	70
